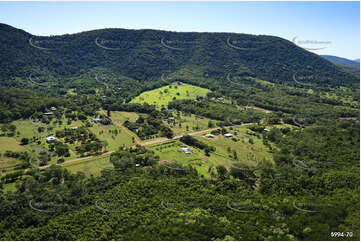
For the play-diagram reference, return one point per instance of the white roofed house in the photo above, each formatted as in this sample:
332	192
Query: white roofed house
186	151
209	136
50	139
228	135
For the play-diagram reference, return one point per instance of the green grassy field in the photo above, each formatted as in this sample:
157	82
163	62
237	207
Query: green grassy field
121	117
248	154
29	129
9	143
164	95
114	141
193	122
91	166
169	153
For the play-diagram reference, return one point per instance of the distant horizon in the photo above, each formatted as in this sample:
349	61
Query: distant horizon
324	28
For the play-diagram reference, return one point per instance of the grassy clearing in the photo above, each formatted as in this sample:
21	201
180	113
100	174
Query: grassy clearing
162	96
107	133
121	117
28	129
170	152
9	143
189	123
91	166
247	153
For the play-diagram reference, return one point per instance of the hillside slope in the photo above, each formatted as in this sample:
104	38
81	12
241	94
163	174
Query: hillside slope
350	66
144	54
341	61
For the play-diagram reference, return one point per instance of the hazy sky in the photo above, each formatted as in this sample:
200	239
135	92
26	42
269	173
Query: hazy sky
335	24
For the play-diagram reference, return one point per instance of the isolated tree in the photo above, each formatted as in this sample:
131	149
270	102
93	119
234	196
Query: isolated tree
222	172
235	155
24	141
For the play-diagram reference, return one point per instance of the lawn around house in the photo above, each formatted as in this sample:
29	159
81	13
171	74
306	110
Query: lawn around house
247	154
114	136
163	95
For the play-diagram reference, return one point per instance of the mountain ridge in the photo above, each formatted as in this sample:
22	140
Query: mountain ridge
341	60
145	54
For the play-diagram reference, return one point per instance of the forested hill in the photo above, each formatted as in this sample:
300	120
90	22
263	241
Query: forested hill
145	54
341	61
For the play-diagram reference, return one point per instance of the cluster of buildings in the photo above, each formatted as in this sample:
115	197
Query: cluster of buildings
51	113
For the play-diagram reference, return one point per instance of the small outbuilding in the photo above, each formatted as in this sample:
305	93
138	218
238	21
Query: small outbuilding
50	139
96	120
228	135
209	136
186	151
53	108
